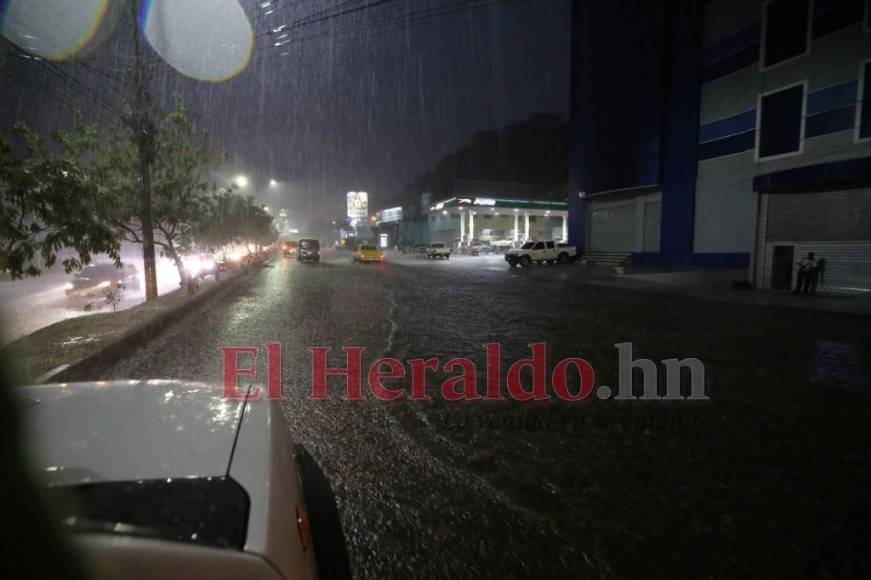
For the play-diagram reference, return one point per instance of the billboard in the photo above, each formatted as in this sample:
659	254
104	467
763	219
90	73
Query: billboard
358	204
393	214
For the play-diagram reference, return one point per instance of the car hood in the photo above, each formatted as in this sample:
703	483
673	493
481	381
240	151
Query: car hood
121	431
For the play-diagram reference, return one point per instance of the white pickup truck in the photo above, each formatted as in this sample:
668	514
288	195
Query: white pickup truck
549	252
438	250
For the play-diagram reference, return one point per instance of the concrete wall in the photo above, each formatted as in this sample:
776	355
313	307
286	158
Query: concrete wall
726	205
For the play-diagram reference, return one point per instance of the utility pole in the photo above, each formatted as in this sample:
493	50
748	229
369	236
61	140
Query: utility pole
143	132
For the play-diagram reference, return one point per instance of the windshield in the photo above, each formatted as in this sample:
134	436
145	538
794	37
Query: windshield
545	288
209	511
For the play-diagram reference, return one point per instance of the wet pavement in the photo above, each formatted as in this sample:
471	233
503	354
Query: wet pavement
769	474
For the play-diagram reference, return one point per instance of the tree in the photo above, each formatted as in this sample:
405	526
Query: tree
47	205
216	228
231	220
180	191
256	225
87	197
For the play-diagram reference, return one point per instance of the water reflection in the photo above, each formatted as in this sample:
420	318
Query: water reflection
839	364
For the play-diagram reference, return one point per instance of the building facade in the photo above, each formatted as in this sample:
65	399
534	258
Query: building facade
750	137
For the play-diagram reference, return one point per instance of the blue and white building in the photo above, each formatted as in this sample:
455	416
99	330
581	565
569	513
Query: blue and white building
725	133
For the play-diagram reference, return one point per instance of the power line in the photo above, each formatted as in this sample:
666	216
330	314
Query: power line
421	16
53	71
55	94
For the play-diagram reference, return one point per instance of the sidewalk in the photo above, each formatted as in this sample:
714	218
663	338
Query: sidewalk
854	304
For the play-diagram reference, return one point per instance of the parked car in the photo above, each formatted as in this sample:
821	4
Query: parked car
477	247
168	480
438	250
420	249
200	265
231	257
96	280
368	253
502	245
309	250
539	252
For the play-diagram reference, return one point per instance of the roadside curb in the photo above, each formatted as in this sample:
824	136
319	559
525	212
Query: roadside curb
88	367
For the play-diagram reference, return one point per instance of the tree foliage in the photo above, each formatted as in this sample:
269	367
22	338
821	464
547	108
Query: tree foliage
87	197
230	219
180	188
47	207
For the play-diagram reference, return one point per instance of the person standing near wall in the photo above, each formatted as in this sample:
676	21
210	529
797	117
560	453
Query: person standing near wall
806	266
812	275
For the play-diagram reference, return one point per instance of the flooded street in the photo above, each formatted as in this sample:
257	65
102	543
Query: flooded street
599	488
588	296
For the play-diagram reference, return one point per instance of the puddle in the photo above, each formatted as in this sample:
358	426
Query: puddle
839	364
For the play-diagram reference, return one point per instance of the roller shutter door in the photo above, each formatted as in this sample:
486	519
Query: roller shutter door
652	225
834	225
612	229
823	216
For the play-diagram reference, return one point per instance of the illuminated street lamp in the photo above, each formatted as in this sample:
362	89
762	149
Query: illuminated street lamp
272	183
241	181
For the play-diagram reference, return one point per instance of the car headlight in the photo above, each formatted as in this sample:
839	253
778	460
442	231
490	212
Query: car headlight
192	264
105	284
68	286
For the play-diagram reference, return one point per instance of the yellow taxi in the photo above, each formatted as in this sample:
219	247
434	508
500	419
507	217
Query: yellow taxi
367	253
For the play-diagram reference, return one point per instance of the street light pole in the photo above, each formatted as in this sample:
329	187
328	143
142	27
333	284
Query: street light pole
143	133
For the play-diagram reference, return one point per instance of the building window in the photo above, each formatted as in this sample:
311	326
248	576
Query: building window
786	30
780	124
863	125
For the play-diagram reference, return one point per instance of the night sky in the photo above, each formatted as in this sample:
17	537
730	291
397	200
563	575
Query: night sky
354	101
